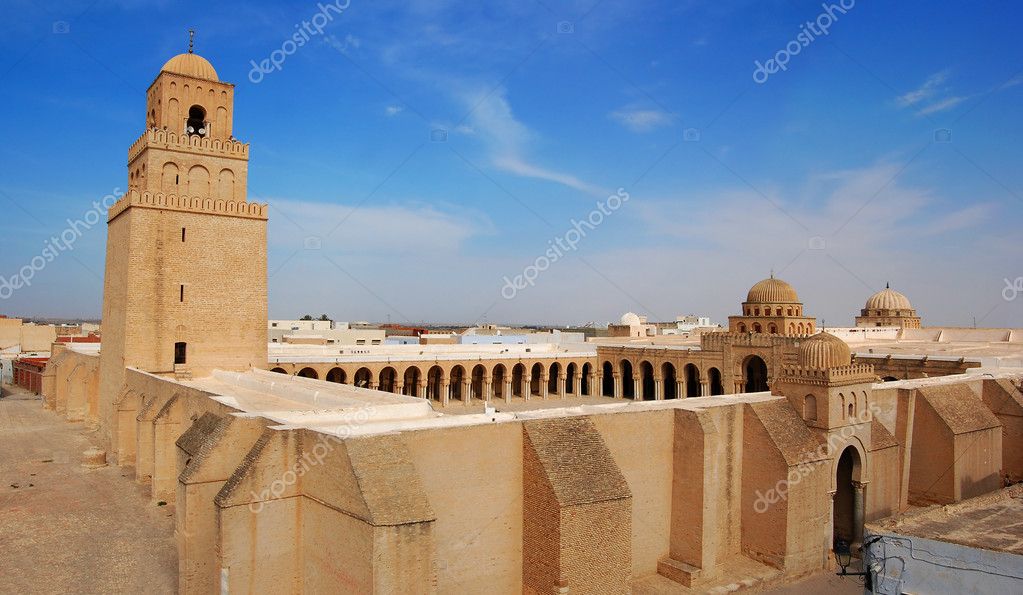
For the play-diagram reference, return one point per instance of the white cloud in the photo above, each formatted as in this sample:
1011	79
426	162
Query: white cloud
394	110
507	139
350	42
642	120
931	97
940	106
925	92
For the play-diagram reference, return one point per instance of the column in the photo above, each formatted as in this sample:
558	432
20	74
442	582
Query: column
372	385
705	388
561	386
422	389
597	383
544	384
637	388
578	385
618	385
507	388
738	387
445	392
527	385
858	507
399	388
488	389
466	392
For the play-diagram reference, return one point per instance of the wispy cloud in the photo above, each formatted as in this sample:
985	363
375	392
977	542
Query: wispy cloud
394	110
931	97
507	140
642	120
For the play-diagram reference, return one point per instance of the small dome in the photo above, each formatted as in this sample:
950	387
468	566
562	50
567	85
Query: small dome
824	350
888	299
772	291
192	65
631	319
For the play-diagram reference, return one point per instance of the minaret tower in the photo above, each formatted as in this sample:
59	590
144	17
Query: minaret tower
185	284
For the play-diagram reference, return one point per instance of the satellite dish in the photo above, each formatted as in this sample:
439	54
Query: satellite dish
191	130
202	131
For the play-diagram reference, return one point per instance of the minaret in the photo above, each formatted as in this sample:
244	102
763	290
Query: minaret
185	284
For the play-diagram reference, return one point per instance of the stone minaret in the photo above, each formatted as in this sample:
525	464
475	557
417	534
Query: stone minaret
185	284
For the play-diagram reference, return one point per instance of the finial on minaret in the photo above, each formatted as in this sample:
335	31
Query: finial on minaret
887	285
772	272
191	40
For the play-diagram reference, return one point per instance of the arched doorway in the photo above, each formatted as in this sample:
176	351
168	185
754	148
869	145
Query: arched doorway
692	381
584	383
518	379
628	386
608	390
336	375
457	380
498	381
669	381
387	377
848	504
553	375
308	373
570	372
477	384
411	381
714	375
649	386
434	383
535	378
362	378
755	371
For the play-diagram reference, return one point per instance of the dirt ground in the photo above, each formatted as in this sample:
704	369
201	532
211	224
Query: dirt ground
68	529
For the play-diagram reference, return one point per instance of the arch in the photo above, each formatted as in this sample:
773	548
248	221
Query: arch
714	376
553	374
742	327
279	370
792	328
308	373
410	380
692	381
497	381
757	328
221	121
518	379
335	375
198	181
584	383
669	380
434	383
772	328
608	388
648	385
848	509
477	385
628	385
388	376
196	124
535	378
810	408
225	184
170	178
455	385
571	370
174	114
755	374
363	377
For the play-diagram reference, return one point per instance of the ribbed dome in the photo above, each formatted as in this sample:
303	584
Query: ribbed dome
192	65
888	299
772	291
631	319
824	350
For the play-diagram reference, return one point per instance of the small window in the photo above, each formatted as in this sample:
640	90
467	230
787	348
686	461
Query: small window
360	341
180	349
181	295
182	234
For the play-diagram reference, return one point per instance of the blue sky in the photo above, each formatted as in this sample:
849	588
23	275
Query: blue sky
829	172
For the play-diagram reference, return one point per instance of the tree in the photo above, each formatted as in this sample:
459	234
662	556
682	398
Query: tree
324	317
306	317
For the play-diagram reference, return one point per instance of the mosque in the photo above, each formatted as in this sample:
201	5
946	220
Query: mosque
595	467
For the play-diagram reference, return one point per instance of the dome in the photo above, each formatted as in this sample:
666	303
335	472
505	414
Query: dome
888	299
772	291
192	65
824	350
631	319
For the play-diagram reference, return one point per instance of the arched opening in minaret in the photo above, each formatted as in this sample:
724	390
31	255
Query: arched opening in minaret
196	125
848	505
756	374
